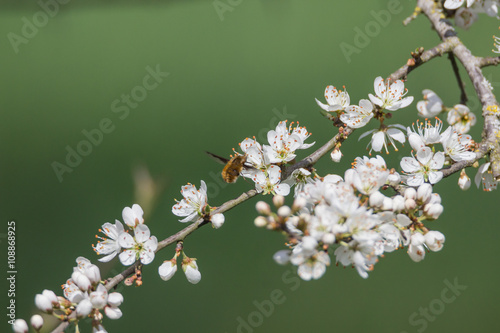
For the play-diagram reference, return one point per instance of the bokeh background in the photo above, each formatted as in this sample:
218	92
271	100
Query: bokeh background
232	74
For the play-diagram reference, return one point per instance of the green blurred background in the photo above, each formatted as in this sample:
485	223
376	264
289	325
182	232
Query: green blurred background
229	78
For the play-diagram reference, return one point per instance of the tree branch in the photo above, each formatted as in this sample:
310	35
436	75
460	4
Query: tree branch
489	61
451	43
472	64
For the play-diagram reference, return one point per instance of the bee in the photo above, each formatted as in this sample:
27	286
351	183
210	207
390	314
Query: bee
233	166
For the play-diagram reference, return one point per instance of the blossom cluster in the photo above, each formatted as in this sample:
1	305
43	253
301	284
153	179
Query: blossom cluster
264	162
85	296
352	219
194	205
426	163
389	96
457	146
141	246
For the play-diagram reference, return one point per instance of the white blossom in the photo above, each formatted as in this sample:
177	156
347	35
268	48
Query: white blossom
454	4
461	118
484	176
285	141
133	216
385	136
465	17
192	204
109	247
390	95
268	182
424	134
457	146
141	246
431	106
337	99
358	116
424	168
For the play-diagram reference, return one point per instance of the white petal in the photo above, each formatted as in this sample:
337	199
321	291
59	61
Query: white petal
282	189
127	257
434	177
409	164
437	161
141	233
375	100
424	155
396	134
378	140
112	312
126	240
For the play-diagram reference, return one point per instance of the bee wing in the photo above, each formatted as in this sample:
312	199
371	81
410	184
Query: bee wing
220	159
248	166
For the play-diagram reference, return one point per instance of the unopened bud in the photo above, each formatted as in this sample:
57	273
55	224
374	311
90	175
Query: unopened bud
84	308
284	211
167	269
328	238
434	199
376	199
93	273
260	221
410	193
434	240
464	181
217	220
81	280
387	204
263	208
336	155
51	296
282	257
278	201
20	326
309	243
37	322
433	210
398	203
299	203
43	303
424	192
410	204
394	178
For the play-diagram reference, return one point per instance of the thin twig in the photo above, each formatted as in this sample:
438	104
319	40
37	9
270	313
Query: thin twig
436	51
488	61
463	94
